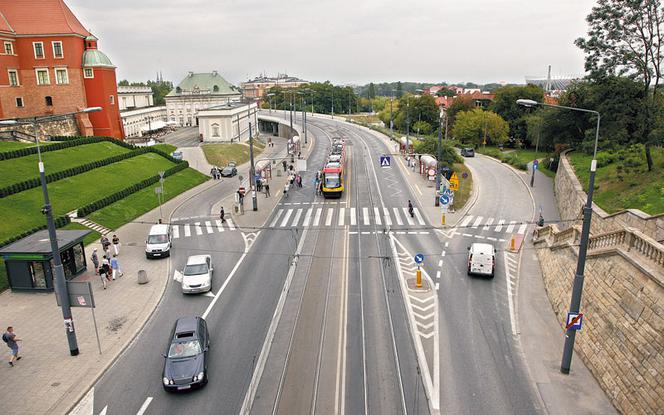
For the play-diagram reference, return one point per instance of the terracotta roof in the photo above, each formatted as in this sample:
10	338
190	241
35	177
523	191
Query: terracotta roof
39	17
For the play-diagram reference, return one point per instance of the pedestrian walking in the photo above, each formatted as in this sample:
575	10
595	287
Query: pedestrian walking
116	245
299	181
267	189
95	260
9	337
213	173
286	187
283	163
105	243
115	267
222	214
103	273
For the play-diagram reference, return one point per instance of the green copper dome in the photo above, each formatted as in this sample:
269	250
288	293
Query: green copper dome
96	58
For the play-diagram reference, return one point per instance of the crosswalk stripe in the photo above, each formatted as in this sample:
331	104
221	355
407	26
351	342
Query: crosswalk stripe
176	231
197	227
231	225
397	217
522	228
287	216
296	220
510	227
353	217
500	225
388	220
307	217
317	218
220	226
342	212
466	221
420	220
377	217
328	218
187	230
365	215
208	227
276	218
478	220
487	224
407	216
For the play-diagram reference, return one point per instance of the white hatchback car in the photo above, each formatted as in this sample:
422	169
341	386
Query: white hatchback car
481	259
197	274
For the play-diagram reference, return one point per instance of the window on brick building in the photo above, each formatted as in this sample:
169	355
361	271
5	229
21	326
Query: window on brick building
61	76
39	49
9	48
42	77
19	102
57	49
13	77
49	101
88	73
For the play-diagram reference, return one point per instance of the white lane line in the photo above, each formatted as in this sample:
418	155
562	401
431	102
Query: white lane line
353	217
220	226
442	253
342	216
440	262
500	225
522	228
365	215
145	405
197	228
377	216
447	244
296	220
397	217
231	226
366	233
287	216
319	211
437	286
466	221
176	231
187	230
467	235
352	233
388	220
208	226
478	236
510	227
478	220
407	216
307	217
491	239
420	220
438	274
276	218
487	224
328	218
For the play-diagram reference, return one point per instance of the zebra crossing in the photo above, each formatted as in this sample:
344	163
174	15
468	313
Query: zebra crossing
186	230
487	224
342	216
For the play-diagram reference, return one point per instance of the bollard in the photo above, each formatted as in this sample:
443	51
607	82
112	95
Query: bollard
142	277
512	243
443	219
419	278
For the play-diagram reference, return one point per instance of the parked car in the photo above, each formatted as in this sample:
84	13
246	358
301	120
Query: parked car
177	155
229	171
186	364
468	152
481	259
197	274
232	163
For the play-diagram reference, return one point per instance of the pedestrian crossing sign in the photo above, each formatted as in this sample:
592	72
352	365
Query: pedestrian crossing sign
384	161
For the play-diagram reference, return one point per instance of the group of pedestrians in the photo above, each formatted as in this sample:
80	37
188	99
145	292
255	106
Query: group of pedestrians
109	267
215	172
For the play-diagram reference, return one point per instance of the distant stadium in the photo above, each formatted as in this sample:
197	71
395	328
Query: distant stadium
554	83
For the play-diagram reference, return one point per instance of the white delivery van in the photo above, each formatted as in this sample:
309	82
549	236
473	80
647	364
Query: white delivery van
158	243
481	259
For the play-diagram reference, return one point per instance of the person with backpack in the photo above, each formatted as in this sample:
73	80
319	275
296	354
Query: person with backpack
95	260
9	337
104	271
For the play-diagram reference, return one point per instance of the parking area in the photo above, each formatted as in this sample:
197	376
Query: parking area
182	137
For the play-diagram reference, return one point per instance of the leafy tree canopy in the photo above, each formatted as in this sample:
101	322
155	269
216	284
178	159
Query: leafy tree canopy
477	125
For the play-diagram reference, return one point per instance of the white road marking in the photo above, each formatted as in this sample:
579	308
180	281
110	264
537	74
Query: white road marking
510	227
307	217
377	216
231	225
187	230
478	220
145	405
440	263
466	221
478	236
197	227
220	226
467	235
522	228
328	218
365	215
366	233
276	218
437	286
296	220
319	211
420	220
352	233
208	227
103	411
447	244
407	216
353	217
176	231
491	239
487	224
397	217
388	220
443	253
287	216
500	225
342	214
438	274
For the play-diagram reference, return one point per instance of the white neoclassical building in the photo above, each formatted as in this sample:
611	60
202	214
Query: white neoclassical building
198	91
132	97
141	121
228	123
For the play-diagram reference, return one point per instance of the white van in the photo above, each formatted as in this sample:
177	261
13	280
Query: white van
158	243
481	259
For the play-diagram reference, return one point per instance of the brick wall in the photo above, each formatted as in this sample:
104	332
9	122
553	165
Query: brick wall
67	126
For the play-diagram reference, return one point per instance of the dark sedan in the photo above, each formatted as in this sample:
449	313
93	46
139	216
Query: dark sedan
468	152
229	171
186	357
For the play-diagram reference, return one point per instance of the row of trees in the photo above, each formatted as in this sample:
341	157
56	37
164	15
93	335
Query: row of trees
322	95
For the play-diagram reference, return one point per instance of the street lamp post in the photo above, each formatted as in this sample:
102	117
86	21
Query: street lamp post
60	281
332	102
252	171
269	99
577	288
408	130
539	133
440	155
391	118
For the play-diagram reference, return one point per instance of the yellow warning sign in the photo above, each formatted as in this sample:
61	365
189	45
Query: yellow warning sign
454	182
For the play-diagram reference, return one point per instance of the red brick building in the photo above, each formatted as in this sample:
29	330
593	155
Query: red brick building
50	64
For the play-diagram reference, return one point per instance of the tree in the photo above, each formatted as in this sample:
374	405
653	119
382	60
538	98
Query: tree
625	37
430	146
504	104
477	125
399	90
445	93
460	104
371	93
422	127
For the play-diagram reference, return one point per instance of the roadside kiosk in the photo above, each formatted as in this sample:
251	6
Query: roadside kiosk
29	264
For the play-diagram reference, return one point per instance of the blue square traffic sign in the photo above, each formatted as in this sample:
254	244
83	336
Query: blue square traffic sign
574	321
385	161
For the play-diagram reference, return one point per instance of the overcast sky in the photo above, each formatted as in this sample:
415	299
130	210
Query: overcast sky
342	41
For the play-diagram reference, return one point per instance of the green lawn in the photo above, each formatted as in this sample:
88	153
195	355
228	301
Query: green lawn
23	168
92	236
221	154
117	214
166	148
626	183
462	195
21	211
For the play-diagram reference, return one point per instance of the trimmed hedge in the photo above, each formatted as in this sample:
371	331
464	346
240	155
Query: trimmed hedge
103	202
60	221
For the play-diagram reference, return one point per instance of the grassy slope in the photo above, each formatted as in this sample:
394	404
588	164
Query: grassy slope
462	195
92	236
13	145
166	148
639	189
221	154
24	168
117	214
23	209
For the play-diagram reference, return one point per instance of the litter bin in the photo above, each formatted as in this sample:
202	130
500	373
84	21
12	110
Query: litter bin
142	277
